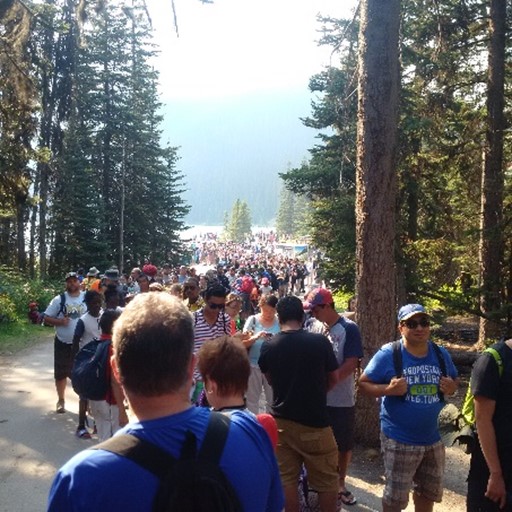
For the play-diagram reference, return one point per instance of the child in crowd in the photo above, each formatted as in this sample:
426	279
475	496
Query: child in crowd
109	413
86	330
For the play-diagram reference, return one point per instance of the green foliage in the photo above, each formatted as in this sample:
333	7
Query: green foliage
237	225
7	309
104	190
17	291
293	215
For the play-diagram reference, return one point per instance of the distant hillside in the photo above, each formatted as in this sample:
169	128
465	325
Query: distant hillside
235	148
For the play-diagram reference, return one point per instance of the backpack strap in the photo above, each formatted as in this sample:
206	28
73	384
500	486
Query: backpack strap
142	452
442	366
158	461
397	358
497	357
62	306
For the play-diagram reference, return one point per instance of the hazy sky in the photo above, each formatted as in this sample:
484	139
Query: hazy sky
234	84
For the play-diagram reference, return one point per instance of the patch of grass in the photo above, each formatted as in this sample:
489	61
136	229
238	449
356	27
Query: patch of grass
15	336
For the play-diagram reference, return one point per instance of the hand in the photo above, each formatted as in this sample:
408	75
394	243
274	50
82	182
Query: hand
496	490
65	321
397	387
447	386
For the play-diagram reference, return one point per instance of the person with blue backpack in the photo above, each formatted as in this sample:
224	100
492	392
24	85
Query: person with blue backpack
172	455
411	376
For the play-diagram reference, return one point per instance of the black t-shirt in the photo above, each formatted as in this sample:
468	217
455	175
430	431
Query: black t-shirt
486	382
297	363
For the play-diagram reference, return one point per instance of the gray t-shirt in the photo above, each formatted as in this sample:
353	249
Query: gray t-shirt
345	338
74	308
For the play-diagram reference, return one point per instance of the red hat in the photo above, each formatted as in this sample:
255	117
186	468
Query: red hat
318	297
149	270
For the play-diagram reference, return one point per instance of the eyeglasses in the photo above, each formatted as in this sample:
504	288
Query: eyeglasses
190	287
412	324
215	306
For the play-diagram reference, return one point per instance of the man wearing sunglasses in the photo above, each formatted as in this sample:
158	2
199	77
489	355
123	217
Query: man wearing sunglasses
411	402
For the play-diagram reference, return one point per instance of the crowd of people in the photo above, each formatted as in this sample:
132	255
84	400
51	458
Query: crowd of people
256	336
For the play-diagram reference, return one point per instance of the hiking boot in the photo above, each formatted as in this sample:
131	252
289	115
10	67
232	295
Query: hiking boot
60	407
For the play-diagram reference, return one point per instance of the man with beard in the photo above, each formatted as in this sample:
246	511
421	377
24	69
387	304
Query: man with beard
63	313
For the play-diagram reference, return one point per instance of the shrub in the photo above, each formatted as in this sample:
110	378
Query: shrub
7	309
18	290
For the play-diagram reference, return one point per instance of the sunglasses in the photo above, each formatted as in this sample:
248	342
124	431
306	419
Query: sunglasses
412	324
211	305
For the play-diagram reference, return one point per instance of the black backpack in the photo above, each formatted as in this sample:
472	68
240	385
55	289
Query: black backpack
399	367
192	483
90	370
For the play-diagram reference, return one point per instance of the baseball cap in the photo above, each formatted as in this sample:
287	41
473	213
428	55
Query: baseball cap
70	275
318	297
409	310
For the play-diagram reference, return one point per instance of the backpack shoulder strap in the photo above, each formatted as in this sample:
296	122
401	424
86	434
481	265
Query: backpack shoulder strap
62	305
442	366
497	357
397	358
440	359
158	461
142	452
215	437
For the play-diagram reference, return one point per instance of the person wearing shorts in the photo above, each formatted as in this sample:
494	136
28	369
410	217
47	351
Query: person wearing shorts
345	339
301	367
63	314
413	453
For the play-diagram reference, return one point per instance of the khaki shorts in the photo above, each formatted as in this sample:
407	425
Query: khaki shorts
416	466
314	447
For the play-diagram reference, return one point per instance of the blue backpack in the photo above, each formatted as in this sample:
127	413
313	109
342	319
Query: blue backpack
90	370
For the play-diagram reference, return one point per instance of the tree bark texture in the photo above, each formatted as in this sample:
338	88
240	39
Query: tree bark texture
376	188
491	239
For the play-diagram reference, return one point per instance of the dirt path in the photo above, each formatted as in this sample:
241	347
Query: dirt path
35	442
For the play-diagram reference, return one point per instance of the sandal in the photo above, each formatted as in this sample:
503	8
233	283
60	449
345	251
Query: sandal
347	498
83	433
60	407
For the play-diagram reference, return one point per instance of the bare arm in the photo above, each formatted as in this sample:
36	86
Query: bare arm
56	322
484	411
332	379
347	368
117	391
396	387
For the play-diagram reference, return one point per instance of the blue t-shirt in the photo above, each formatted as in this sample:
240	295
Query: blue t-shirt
105	482
254	324
412	420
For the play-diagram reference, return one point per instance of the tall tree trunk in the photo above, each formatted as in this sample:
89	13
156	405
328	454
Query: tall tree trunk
376	187
33	226
491	240
20	235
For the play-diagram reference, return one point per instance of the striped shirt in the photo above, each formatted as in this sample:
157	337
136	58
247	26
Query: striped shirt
204	331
